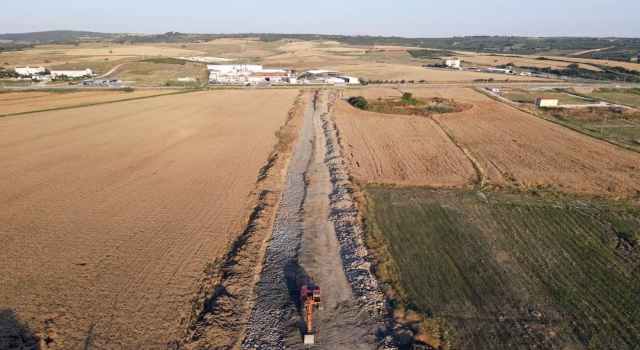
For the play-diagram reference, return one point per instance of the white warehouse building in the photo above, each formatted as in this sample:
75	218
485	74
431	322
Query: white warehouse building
228	68
29	70
72	73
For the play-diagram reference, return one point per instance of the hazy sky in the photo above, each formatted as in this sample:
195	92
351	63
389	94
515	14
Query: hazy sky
409	18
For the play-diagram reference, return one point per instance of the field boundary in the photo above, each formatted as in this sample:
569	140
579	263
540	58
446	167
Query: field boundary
94	103
225	296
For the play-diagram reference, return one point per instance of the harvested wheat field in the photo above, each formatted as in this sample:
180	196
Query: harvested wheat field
110	214
23	102
408	150
525	151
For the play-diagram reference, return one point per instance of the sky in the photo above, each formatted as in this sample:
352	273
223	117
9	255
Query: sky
406	18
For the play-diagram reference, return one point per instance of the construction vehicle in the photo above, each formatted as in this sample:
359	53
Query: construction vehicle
310	296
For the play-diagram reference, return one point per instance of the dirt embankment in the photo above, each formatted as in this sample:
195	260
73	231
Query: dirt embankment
225	298
317	239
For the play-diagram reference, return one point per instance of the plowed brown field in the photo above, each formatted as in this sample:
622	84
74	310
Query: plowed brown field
21	102
523	150
109	214
399	149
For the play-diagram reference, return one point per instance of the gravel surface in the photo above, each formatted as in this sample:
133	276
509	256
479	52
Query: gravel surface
266	324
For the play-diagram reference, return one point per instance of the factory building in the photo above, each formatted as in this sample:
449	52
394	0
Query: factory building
246	73
72	73
29	70
229	68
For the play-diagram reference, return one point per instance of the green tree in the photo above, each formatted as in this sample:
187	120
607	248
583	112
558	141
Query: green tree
407	96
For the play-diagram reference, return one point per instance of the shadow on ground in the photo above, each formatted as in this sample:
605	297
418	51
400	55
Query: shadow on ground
296	276
15	334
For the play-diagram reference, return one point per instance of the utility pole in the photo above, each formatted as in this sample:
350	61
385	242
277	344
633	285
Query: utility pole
603	122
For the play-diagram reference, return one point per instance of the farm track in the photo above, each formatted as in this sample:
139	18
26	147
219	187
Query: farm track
316	239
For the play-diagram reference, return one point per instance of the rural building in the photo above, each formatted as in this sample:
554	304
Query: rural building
29	70
350	80
322	74
187	80
72	73
546	102
453	62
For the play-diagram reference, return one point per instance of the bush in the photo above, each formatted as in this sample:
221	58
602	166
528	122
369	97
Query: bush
407	96
358	102
128	89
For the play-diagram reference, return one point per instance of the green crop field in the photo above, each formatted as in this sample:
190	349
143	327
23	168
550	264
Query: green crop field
628	97
528	96
620	126
484	263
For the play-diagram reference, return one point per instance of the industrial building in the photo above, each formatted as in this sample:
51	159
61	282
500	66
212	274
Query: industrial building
500	71
72	73
29	70
546	102
102	82
453	62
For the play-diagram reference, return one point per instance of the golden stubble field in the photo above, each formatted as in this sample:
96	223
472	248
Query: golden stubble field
111	213
22	102
399	149
518	149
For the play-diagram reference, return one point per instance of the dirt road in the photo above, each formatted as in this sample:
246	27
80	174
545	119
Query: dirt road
314	242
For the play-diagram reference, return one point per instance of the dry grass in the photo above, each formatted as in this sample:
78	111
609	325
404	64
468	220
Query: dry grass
62	54
476	59
113	212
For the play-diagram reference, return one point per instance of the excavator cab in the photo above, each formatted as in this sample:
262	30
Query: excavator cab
309	296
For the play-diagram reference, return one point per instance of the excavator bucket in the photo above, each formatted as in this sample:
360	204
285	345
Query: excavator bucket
309	339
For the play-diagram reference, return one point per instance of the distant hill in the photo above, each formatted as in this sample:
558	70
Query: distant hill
53	36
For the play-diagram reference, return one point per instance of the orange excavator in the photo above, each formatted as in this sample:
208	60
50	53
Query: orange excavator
310	296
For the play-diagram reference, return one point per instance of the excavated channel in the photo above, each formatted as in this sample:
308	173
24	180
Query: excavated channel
276	288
